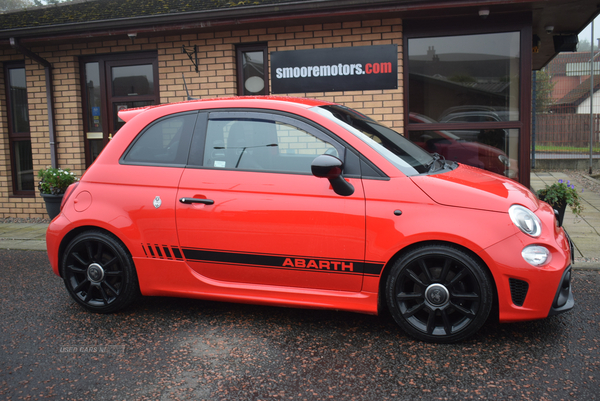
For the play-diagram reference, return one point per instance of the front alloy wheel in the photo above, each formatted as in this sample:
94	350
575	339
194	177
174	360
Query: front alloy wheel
99	272
439	293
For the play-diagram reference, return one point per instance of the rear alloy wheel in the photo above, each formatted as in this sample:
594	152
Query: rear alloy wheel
438	293
99	272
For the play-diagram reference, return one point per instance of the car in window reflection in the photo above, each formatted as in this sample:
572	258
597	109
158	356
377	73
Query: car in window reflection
456	148
478	113
497	138
309	204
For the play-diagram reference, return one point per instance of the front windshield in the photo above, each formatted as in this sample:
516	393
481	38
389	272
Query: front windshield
405	155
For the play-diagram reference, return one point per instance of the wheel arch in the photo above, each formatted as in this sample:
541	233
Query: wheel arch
67	238
382	304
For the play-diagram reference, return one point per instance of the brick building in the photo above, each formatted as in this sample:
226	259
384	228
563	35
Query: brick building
463	66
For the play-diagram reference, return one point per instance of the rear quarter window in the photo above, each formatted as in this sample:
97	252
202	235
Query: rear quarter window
164	142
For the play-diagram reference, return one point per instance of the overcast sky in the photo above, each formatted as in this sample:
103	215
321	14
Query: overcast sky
504	44
586	34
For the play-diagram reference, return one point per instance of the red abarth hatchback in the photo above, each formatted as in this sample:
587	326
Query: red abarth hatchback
304	203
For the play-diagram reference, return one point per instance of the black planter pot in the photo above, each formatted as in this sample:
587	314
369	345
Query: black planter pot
559	211
52	204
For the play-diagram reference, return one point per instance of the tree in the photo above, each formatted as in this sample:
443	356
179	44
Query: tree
584	46
12	5
47	2
543	92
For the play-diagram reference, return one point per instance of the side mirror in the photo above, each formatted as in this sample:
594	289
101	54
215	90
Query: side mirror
330	167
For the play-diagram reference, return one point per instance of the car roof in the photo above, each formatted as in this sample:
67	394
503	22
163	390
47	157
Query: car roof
222	102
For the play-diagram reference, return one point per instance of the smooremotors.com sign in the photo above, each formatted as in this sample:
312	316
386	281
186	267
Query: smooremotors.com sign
335	69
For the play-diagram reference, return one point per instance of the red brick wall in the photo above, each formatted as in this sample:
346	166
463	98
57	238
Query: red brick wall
216	77
217	69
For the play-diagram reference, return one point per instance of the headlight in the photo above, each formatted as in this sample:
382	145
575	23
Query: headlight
536	255
526	220
505	160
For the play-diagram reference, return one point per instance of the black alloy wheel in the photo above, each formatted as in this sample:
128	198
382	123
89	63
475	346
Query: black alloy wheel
438	293
99	273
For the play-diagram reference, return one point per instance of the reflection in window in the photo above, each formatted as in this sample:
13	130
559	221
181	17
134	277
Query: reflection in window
472	147
468	78
18	131
92	92
18	100
23	163
262	145
133	80
251	70
118	106
165	142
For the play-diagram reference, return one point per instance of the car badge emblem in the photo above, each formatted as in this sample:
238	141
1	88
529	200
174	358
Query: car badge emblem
157	202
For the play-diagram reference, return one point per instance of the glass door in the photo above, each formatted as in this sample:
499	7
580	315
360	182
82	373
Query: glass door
112	84
131	85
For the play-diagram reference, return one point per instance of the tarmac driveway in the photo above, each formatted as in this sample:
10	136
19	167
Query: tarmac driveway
167	348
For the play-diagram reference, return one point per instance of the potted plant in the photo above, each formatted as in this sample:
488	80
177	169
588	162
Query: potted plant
53	184
559	195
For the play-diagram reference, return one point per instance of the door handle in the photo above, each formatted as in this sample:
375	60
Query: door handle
196	200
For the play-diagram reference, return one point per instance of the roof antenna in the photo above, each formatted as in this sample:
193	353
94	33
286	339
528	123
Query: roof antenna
186	89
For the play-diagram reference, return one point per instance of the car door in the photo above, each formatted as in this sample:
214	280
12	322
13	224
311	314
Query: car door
250	211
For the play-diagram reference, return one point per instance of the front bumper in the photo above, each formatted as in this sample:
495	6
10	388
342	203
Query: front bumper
526	292
563	301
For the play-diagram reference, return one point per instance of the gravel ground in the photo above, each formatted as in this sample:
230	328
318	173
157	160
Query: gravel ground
167	348
7	220
185	349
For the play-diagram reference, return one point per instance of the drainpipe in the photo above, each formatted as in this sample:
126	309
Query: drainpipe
48	71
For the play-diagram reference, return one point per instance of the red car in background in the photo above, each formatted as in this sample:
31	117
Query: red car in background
304	203
452	147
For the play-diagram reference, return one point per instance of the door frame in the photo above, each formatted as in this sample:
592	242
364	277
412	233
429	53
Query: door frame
105	62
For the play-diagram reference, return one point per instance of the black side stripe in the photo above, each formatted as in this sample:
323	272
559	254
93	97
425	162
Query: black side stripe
373	268
289	262
162	251
262	260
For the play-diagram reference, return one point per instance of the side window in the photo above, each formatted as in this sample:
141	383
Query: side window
165	142
263	145
251	72
19	136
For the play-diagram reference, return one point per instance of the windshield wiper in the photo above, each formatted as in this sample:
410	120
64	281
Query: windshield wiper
439	159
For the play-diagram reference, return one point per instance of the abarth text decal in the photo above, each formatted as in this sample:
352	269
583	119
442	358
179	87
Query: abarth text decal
284	262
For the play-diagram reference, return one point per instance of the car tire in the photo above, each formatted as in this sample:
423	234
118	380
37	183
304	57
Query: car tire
439	293
99	273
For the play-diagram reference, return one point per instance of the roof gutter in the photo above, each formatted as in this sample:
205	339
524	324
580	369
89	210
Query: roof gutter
237	16
14	42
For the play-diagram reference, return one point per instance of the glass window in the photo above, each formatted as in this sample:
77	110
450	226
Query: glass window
253	144
471	82
494	150
94	108
18	100
18	131
466	78
251	62
92	92
164	142
23	165
111	83
118	106
132	80
407	157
